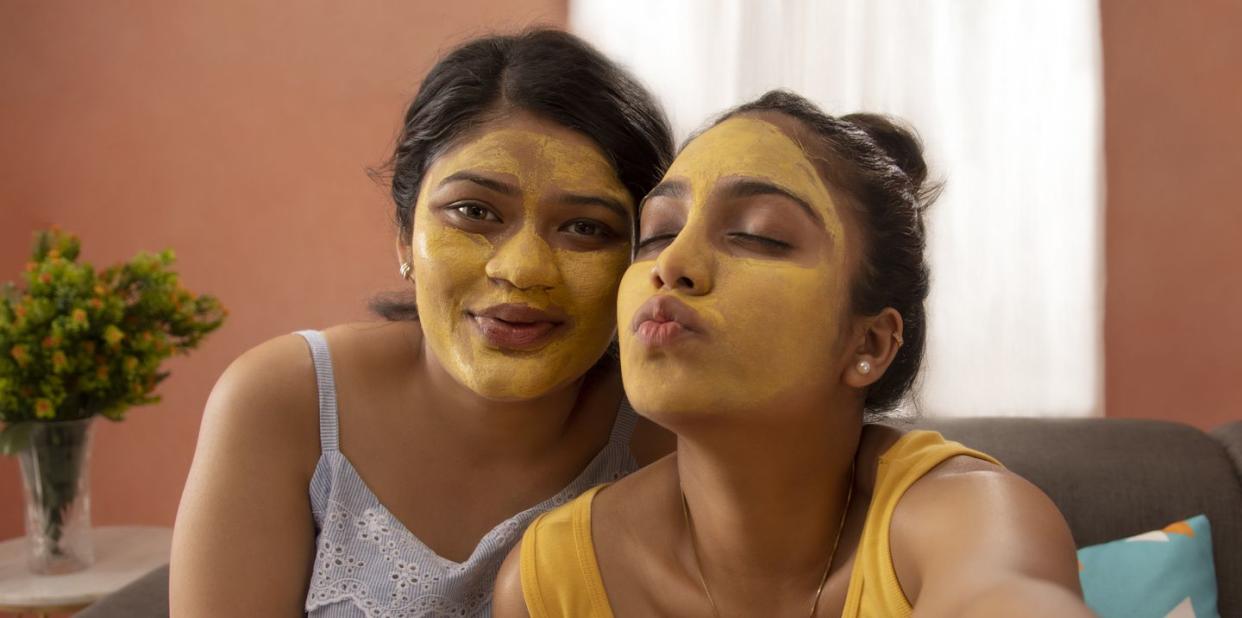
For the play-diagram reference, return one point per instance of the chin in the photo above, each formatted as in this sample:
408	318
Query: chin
504	376
666	400
512	390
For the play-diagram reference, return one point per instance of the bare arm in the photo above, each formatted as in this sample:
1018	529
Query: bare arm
984	542
244	538
508	601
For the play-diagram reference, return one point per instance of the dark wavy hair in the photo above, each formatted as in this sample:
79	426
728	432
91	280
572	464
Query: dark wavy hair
551	74
877	163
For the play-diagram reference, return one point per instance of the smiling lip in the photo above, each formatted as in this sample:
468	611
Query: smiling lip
663	320
517	327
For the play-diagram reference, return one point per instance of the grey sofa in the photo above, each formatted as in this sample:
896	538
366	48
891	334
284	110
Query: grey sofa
1111	478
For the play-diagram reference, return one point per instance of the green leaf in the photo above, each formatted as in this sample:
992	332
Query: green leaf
14	438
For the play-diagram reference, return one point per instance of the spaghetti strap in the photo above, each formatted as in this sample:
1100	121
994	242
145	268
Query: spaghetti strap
328	432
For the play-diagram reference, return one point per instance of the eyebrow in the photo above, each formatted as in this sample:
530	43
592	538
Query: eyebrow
751	188
677	189
580	199
483	181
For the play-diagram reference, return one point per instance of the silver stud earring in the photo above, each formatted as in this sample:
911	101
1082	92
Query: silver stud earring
864	367
405	270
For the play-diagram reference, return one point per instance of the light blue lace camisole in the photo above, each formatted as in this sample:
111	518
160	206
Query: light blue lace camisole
368	564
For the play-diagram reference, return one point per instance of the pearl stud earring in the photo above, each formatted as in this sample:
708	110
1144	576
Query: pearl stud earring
405	270
864	367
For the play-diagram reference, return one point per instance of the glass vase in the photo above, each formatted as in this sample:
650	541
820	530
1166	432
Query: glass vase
56	479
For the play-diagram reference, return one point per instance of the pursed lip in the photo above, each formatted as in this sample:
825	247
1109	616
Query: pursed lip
515	326
663	320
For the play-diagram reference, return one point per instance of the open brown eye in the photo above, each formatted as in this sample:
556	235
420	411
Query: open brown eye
475	211
589	228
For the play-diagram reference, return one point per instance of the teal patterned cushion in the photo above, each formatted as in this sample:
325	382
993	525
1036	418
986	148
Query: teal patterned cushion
1162	573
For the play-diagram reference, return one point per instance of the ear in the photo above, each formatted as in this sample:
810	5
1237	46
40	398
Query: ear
877	341
404	257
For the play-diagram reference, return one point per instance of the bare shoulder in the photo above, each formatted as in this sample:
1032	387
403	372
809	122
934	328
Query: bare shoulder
508	601
631	501
268	398
629	518
373	345
969	526
977	483
243	539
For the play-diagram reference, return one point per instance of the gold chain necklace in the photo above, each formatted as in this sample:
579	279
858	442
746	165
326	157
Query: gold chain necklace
694	549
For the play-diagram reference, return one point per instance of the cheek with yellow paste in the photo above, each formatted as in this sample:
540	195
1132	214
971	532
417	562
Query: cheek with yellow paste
451	269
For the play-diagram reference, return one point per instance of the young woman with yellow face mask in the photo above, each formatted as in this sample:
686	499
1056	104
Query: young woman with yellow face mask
385	469
776	297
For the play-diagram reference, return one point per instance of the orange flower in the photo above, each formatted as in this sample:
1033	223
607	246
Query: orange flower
79	316
20	311
54	254
51	341
130	363
95	303
100	290
20	354
44	409
59	361
31	266
45	278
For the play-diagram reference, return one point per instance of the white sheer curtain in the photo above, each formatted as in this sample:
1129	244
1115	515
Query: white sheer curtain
1007	96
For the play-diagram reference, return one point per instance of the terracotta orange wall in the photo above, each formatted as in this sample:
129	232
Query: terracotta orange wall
1173	143
237	133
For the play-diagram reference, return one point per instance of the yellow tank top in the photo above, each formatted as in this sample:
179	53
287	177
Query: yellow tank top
560	575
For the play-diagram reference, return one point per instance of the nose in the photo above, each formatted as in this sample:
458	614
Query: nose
685	265
525	261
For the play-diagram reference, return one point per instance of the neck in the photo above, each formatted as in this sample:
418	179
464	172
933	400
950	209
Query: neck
516	429
768	504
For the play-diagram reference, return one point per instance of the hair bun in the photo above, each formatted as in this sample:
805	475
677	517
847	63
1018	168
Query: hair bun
898	141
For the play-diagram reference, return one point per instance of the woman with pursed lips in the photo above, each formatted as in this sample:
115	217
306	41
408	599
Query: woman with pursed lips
776	297
386	468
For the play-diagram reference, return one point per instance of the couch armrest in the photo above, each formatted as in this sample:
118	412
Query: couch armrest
1230	436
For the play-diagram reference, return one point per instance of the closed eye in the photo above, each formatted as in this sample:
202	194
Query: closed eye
653	240
769	243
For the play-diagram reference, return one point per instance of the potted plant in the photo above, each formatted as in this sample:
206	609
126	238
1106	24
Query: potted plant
76	344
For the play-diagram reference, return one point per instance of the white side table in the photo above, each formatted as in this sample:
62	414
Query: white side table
122	555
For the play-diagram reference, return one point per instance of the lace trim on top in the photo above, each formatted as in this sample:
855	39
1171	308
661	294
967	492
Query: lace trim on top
368	564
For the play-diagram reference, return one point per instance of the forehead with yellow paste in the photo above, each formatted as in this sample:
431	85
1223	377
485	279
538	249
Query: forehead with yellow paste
536	161
747	147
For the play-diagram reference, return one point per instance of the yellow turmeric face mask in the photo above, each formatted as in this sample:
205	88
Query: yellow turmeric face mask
733	301
521	235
